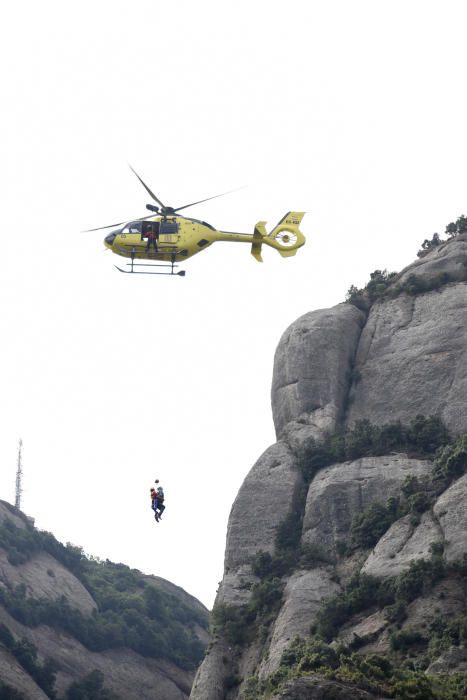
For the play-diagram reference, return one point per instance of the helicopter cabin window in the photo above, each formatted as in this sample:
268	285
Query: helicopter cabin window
168	227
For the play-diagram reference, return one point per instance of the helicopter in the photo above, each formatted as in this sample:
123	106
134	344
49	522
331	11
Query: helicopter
166	238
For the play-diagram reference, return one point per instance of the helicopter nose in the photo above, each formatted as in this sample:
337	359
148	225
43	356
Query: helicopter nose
109	239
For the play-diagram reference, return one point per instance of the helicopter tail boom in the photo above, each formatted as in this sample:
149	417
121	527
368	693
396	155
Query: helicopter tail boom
286	237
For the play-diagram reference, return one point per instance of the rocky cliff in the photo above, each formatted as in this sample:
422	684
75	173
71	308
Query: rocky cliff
349	535
64	616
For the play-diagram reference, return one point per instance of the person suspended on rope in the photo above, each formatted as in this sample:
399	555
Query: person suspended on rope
160	498
154	503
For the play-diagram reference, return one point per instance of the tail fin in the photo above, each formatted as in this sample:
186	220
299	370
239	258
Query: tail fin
292	218
258	237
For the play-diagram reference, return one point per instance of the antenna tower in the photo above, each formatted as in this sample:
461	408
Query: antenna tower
19	474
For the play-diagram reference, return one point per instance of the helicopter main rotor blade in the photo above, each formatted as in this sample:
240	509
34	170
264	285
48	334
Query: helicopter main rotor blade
156	199
185	206
120	223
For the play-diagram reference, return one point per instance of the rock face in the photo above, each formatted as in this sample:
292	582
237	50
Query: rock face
312	366
303	595
403	356
44	577
402	544
411	359
340	491
322	689
128	674
451	511
261	494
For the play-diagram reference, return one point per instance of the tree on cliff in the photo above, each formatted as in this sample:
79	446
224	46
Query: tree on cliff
460	226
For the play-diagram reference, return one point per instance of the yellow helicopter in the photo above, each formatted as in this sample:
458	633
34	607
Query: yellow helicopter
169	238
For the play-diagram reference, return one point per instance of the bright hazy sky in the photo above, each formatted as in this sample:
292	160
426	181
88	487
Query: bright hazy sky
354	112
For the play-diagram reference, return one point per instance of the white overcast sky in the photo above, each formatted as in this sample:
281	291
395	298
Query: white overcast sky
354	112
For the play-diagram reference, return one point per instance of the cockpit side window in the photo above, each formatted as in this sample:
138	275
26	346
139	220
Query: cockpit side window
133	227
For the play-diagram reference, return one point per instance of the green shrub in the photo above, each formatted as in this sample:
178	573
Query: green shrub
359	594
447	633
239	623
396	612
426	434
342	548
266	597
232	681
25	653
422	438
312	554
91	687
9	693
231	622
263	564
369	525
429	244
416	686
376	288
460	226
419	502
451	460
420	578
403	640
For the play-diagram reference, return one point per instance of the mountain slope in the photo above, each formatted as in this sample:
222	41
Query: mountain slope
143	634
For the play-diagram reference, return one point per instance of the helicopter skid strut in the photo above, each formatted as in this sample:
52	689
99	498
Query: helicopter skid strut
132	265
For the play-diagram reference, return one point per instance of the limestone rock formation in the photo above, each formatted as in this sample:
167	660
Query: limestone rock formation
411	359
261	494
451	511
317	688
339	492
311	369
303	595
401	355
402	544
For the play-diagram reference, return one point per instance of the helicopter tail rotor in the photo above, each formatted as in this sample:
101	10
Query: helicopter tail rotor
286	237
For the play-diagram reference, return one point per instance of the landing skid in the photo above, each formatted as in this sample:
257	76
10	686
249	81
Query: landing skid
132	265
